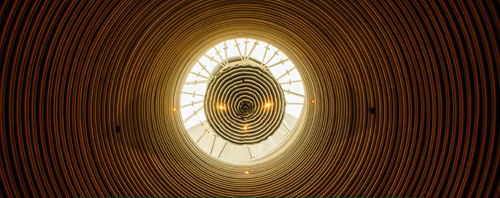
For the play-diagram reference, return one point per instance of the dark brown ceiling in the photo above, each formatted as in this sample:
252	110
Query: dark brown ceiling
406	98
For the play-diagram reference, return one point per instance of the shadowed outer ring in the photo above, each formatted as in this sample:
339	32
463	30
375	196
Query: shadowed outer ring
73	71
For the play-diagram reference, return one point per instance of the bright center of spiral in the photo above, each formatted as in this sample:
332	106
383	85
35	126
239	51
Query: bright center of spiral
242	101
246	90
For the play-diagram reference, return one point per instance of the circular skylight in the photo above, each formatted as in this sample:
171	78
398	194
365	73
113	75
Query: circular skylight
241	101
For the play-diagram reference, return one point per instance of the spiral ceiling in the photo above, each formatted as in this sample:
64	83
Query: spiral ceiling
403	98
236	102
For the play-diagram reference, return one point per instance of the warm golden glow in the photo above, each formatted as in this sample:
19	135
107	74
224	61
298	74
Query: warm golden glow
246	172
175	109
205	95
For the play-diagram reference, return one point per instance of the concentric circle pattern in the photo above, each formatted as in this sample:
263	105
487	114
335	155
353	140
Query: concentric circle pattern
233	103
402	98
244	104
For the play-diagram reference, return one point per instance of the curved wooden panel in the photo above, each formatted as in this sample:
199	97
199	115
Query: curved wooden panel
404	98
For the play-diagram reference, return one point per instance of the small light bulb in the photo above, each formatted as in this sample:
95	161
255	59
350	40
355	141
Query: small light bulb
312	101
268	104
221	107
175	109
246	172
245	127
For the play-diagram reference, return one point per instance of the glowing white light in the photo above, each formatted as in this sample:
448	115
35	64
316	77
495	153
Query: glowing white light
195	85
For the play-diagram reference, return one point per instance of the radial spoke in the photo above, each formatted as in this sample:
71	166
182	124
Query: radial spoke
246	44
265	53
205	132
213	143
220	56
276	64
193	114
275	53
204	68
191	104
224	147
287	72
293	93
194	94
288	130
225	52
250	152
290	82
199	75
253	48
196	82
281	131
237	45
213	59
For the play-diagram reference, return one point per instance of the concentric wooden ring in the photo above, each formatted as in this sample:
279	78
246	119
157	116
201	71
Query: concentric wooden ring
235	103
403	98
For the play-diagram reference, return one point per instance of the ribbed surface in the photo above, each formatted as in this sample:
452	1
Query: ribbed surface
236	100
74	71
